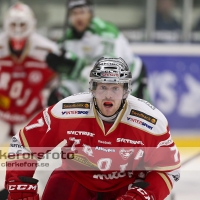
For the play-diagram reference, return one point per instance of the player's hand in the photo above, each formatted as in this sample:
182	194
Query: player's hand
136	193
22	188
54	60
60	63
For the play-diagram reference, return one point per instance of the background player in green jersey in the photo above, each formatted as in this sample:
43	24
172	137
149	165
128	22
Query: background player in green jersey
86	39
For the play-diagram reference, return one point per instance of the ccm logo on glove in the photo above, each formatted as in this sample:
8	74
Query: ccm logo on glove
22	187
143	192
136	193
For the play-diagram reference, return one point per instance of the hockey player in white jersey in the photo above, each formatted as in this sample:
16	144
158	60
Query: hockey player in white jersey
86	39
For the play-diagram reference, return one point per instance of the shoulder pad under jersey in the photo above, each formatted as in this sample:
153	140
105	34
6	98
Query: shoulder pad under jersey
40	46
75	106
143	115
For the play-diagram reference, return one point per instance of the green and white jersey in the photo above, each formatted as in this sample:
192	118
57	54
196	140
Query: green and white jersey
101	39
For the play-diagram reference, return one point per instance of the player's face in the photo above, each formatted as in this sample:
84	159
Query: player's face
109	97
18	34
80	18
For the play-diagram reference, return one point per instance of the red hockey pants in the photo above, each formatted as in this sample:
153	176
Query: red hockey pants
62	187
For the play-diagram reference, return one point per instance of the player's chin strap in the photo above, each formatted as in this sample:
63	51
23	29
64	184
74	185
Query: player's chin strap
111	118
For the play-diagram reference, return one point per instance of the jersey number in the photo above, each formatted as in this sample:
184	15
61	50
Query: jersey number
174	148
16	89
39	123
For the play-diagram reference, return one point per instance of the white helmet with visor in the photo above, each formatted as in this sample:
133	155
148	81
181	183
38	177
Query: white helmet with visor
19	21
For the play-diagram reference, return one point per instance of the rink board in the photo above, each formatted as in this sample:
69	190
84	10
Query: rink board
175	88
174	82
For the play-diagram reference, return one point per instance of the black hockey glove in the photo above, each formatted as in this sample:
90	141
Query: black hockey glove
59	63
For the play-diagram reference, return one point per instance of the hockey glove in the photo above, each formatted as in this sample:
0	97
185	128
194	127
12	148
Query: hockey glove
23	188
136	193
60	63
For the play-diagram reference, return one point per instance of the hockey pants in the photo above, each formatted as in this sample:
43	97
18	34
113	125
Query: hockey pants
61	186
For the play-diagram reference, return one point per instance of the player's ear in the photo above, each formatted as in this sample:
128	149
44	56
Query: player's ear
126	91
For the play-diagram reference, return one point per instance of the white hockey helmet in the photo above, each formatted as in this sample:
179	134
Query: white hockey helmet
19	21
111	70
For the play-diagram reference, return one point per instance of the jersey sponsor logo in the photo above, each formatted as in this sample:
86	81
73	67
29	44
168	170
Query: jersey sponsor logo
14	139
16	145
129	141
74	112
125	154
35	77
165	142
176	177
80	133
83	105
113	175
139	122
7	116
87	49
148	104
104	149
104	142
33	64
88	150
144	116
18	75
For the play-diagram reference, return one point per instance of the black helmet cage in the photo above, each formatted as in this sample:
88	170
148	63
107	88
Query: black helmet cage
111	70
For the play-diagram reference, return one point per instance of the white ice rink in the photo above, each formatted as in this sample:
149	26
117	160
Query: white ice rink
188	187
